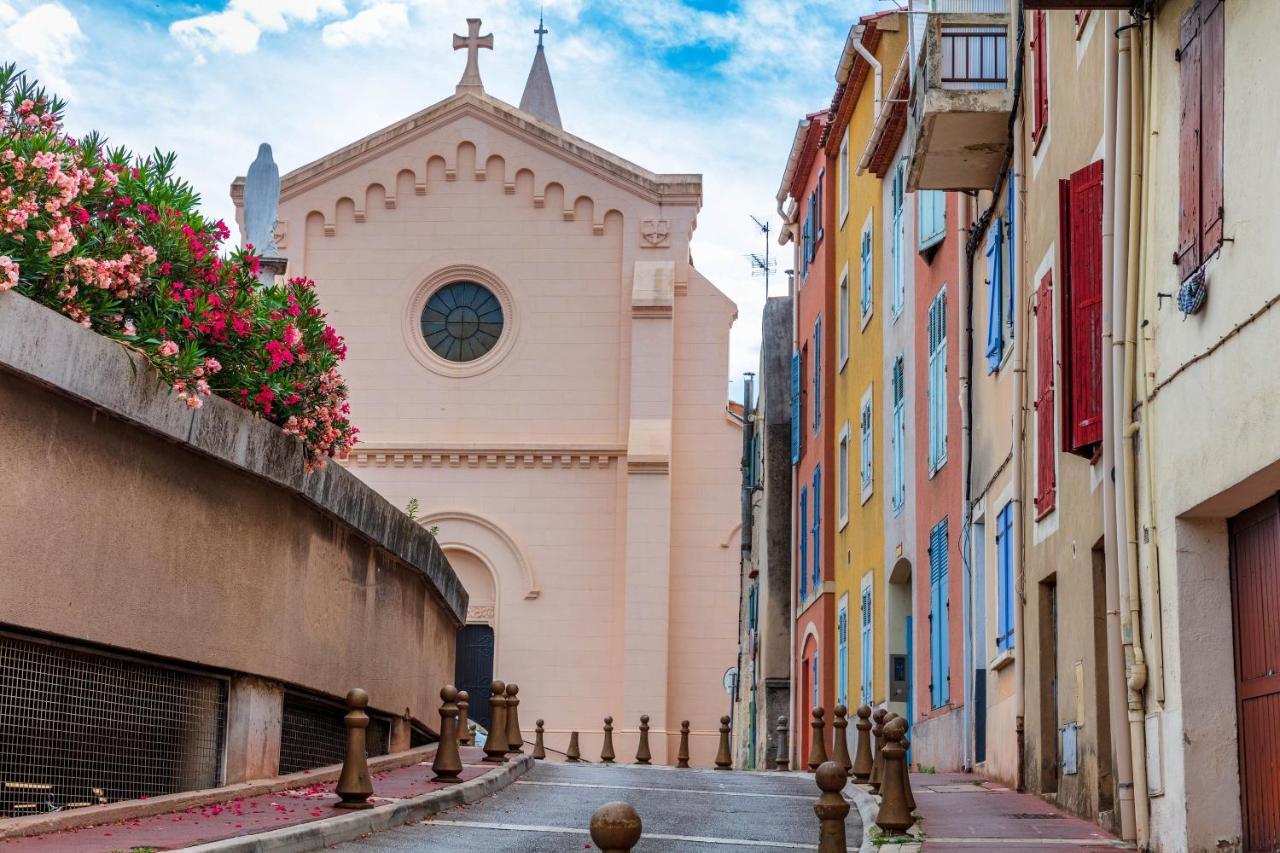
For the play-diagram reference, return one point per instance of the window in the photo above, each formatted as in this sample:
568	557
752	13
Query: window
1201	49
461	321
937	385
753	607
899	437
939	602
1046	478
867	446
867	641
843	319
1004	579
931	213
898	237
844	177
996	302
796	425
1039	75
818	191
842	490
817	373
817	529
804	543
842	652
1080	221
865	299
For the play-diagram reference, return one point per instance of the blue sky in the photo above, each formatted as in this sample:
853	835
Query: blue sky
710	86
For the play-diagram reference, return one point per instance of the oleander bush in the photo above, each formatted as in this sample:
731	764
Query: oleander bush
116	241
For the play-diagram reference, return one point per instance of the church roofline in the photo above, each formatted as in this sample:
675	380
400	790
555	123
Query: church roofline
669	188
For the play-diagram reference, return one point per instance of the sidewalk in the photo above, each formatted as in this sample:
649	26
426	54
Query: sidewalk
963	813
307	809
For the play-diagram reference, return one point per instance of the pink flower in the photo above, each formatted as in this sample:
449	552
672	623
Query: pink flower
130	329
168	348
212	365
8	273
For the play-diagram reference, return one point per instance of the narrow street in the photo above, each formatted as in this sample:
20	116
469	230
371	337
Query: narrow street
548	811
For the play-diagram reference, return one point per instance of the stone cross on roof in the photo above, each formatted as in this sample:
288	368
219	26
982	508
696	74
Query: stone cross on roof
473	41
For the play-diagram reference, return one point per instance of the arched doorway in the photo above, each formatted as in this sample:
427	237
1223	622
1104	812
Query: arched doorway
898	626
808	699
476	645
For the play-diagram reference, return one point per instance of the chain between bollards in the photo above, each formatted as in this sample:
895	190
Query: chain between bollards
355	787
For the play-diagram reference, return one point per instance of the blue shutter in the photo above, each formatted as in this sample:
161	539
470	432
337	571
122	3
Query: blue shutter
866	272
937	387
804	543
939	639
842	659
1010	299
868	656
899	273
817	373
817	528
796	424
899	435
995	296
1004	579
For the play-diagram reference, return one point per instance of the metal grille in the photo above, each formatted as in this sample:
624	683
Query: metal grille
79	728
312	734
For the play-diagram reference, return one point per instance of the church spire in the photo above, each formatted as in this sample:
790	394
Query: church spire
539	98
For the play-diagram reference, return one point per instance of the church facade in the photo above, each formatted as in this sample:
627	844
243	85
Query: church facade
534	358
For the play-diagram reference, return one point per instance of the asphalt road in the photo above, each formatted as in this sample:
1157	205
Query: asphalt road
548	811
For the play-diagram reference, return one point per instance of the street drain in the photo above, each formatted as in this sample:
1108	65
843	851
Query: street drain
1034	816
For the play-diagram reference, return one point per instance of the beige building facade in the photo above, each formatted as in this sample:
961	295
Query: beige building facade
535	359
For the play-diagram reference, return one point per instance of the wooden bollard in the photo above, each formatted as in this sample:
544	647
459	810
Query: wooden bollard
724	758
818	750
616	828
682	756
447	765
831	808
839	738
877	741
783	759
495	745
862	757
573	754
539	750
606	748
354	785
894	816
515	739
643	755
464	728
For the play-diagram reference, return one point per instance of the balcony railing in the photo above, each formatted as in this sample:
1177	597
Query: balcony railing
974	57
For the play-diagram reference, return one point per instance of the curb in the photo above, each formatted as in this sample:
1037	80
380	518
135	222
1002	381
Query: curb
868	810
348	827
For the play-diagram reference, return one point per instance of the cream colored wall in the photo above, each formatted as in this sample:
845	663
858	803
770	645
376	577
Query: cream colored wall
591	466
1215	422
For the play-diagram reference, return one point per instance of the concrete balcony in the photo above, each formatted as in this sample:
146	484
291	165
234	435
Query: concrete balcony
960	101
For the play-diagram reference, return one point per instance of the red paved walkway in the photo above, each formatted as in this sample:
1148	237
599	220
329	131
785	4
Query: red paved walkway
177	830
964	813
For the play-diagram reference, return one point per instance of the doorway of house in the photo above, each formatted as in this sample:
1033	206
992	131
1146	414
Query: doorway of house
1255	604
473	670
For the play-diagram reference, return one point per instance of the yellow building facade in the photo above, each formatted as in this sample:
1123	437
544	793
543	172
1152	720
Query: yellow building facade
860	580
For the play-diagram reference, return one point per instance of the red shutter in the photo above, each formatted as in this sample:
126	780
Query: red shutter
1212	56
1082	311
1039	51
1187	256
1046	484
1064	276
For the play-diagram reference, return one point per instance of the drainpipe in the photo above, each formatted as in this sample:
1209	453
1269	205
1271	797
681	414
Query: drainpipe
1019	419
875	65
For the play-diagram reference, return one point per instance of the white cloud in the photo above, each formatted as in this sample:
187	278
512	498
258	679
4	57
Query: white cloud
377	23
238	28
44	40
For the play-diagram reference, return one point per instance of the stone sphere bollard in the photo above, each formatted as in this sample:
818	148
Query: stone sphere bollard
877	760
643	755
862	758
615	827
839	738
682	756
495	745
818	750
831	808
606	749
573	754
539	749
515	739
447	765
724	757
355	787
783	759
894	816
464	707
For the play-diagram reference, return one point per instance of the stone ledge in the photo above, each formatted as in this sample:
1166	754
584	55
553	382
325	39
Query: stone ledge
45	347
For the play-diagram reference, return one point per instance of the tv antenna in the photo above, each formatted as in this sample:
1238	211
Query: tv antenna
762	264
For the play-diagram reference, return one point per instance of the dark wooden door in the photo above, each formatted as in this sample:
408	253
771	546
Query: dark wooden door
473	670
1255	600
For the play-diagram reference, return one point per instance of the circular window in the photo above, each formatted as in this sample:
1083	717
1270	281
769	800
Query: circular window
462	321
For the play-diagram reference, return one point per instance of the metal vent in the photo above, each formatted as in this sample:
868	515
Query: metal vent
79	728
312	734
